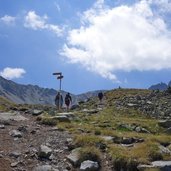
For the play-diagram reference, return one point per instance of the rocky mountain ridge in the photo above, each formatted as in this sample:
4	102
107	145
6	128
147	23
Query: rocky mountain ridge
33	94
160	86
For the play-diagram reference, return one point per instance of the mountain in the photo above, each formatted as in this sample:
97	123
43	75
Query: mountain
160	86
29	94
33	94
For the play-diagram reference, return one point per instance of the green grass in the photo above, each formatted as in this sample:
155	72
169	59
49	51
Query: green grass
88	130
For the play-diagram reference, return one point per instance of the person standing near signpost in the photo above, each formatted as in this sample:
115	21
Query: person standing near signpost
59	101
68	100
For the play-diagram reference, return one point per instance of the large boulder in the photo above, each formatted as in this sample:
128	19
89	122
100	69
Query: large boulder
74	157
89	165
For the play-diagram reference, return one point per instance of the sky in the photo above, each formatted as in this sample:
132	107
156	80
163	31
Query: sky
96	44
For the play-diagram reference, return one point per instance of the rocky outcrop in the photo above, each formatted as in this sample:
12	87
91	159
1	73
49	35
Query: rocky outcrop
155	104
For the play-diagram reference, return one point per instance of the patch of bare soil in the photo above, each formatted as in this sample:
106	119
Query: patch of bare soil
21	154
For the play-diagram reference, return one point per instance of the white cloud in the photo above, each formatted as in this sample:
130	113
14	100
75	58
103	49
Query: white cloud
123	38
36	22
8	19
11	73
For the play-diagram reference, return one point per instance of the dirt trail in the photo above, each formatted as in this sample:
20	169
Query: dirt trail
22	152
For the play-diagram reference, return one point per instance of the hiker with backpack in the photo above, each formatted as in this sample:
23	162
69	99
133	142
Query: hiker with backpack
59	101
68	100
100	96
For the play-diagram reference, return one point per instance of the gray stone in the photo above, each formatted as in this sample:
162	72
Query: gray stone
14	154
70	115
16	134
8	116
45	168
168	131
14	164
128	141
131	105
161	165
143	167
62	118
2	126
89	166
164	150
108	138
90	111
74	157
44	152
165	123
36	112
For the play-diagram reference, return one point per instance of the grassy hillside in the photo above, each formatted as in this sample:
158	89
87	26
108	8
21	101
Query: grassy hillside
5	104
92	130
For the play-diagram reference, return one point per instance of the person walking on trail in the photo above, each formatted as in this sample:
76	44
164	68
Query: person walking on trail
59	101
100	96
68	100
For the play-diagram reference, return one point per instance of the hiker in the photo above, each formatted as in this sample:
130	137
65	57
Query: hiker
68	100
59	101
100	96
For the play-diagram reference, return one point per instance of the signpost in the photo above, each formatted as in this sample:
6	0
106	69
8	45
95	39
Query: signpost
59	77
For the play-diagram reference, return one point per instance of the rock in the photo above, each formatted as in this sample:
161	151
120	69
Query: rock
22	128
165	123
89	166
128	141
2	126
45	168
141	130
90	111
131	105
44	152
8	116
14	154
15	133
144	167
74	157
62	118
168	131
164	150
14	164
36	112
68	115
73	107
163	165
108	138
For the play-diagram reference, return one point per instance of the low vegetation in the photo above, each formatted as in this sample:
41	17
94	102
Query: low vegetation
92	132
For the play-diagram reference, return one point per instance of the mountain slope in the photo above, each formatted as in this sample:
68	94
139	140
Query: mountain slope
160	86
29	94
33	94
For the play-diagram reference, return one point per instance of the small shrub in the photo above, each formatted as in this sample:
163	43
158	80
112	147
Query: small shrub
87	140
90	153
48	121
119	163
97	132
154	153
169	89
